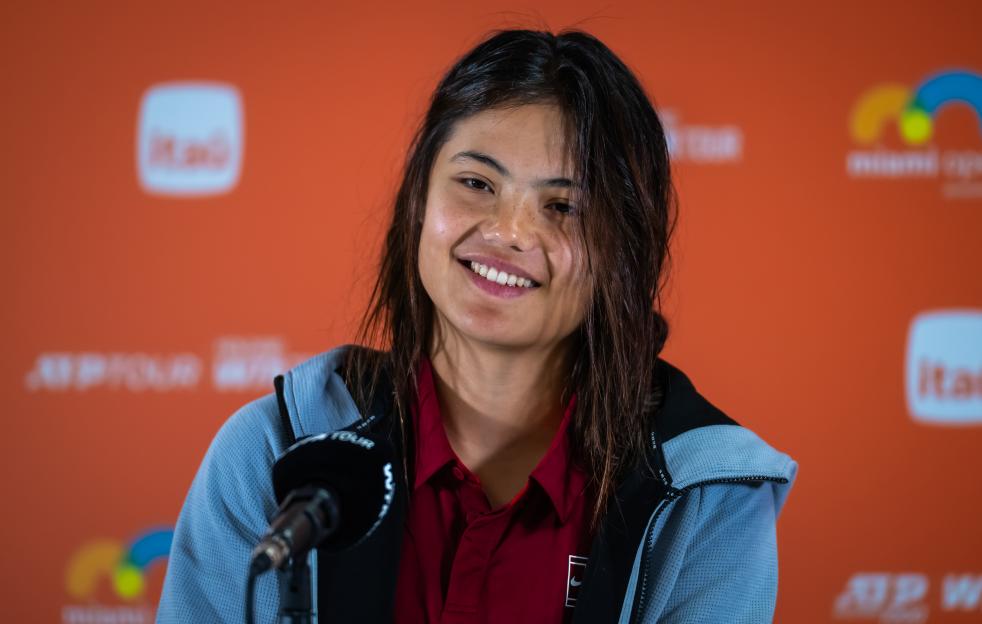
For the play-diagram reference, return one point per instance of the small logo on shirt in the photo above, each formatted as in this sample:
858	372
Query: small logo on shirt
574	578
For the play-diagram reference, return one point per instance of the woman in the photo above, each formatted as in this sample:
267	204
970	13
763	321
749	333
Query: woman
554	468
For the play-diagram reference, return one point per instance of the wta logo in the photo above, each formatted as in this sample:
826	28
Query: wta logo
912	115
123	568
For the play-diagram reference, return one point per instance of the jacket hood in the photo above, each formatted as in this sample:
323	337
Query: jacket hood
699	443
315	395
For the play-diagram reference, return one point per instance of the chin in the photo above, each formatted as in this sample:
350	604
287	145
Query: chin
510	333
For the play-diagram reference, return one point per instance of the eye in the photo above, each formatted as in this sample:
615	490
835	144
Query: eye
563	208
478	185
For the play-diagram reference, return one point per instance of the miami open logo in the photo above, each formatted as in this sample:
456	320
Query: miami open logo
107	580
911	114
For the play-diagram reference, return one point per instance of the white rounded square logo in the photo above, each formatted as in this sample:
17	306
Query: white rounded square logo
189	139
944	367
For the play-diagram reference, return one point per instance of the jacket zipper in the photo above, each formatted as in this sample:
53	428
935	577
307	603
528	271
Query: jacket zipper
674	494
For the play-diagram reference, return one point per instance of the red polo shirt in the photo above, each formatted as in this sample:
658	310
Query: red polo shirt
465	562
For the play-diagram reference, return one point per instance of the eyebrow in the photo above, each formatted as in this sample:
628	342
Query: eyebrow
497	166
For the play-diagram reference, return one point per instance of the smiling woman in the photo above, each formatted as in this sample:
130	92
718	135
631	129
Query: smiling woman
498	344
552	467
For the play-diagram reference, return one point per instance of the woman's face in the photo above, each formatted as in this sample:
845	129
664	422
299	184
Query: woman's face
501	205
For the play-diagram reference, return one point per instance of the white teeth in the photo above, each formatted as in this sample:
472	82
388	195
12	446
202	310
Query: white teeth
499	277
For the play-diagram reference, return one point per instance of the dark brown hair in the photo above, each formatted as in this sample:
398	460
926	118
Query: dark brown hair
627	213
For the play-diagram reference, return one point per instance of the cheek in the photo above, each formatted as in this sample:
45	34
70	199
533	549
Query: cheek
441	221
576	289
572	257
436	241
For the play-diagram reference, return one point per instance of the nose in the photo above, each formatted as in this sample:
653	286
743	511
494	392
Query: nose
512	223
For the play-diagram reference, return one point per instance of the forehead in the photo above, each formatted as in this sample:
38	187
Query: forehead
527	139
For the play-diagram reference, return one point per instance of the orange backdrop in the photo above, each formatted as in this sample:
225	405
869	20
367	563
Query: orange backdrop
161	267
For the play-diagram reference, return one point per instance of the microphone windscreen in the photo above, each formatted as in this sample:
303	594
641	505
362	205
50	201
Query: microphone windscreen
354	467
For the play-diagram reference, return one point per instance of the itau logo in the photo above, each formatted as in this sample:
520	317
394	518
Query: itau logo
190	139
121	568
913	113
943	367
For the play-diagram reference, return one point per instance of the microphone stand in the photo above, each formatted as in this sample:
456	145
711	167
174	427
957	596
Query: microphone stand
296	602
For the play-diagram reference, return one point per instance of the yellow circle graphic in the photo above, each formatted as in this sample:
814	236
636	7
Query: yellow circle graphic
128	580
915	126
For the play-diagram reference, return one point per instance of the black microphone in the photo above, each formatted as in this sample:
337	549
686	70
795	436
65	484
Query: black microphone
334	490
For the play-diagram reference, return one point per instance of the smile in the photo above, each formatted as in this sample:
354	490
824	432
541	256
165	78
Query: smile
501	278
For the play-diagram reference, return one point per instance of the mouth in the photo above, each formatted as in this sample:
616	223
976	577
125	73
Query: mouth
500	278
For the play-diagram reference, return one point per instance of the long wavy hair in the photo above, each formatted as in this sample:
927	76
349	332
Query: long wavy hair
628	212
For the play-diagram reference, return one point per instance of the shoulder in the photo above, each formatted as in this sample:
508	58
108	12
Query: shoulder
703	445
307	399
240	455
715	542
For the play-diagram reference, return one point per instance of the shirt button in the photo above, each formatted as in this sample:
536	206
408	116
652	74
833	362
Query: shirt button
458	473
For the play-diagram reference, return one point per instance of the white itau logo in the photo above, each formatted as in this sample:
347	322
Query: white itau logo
574	578
943	368
189	139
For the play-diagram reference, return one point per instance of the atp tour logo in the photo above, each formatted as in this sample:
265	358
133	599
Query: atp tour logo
240	364
700	143
102	565
911	114
890	598
189	139
60	371
943	367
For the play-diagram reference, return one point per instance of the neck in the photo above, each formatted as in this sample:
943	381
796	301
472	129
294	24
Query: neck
498	402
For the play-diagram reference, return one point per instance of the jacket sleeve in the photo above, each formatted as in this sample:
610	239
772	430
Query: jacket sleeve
728	572
224	515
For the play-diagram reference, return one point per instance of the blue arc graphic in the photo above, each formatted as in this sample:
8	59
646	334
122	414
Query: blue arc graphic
951	86
150	546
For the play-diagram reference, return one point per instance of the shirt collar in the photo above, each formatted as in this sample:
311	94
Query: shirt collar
556	473
433	450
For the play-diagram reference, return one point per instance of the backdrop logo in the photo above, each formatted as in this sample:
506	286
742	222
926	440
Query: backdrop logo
240	364
913	113
905	597
944	367
189	139
123	568
245	363
700	143
136	372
